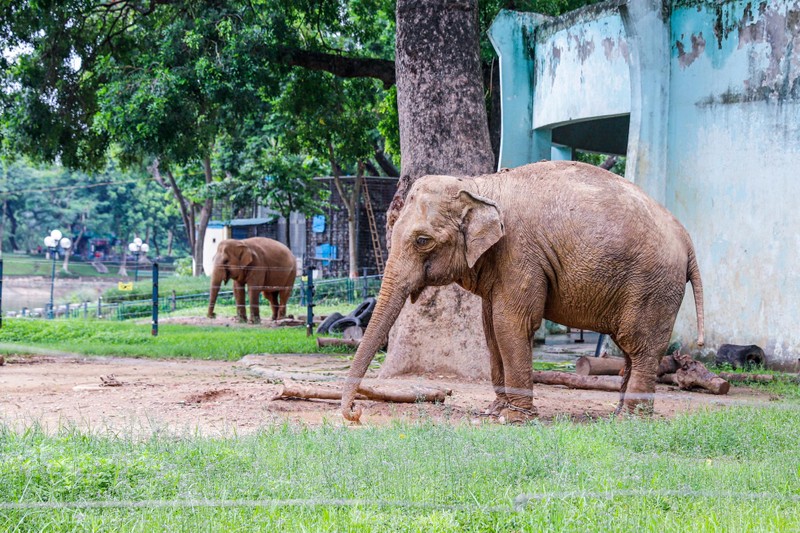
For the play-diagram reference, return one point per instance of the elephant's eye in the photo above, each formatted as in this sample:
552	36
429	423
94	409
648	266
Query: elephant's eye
422	240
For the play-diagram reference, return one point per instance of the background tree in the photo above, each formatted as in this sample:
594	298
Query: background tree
336	120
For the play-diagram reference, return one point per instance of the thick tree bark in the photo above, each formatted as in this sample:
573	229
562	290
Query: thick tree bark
443	130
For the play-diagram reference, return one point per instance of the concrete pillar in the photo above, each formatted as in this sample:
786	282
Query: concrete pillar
511	34
648	34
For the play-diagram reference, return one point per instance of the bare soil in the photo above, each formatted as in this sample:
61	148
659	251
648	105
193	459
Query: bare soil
212	397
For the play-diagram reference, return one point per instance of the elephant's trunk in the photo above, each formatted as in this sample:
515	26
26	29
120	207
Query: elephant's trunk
217	279
390	303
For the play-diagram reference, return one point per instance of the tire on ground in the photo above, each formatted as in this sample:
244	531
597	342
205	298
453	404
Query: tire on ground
326	324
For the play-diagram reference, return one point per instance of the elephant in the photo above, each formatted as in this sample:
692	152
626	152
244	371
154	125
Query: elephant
263	265
557	240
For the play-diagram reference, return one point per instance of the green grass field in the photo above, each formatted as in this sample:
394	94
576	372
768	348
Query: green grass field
23	336
731	469
735	469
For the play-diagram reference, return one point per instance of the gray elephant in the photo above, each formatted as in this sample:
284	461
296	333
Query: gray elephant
264	266
564	241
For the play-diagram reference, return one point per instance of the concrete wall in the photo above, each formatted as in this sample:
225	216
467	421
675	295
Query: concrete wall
581	68
712	89
734	165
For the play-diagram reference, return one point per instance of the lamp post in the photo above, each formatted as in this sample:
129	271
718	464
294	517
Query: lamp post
137	247
52	242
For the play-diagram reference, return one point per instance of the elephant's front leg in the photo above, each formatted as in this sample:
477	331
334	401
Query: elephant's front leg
514	340
238	297
255	315
495	362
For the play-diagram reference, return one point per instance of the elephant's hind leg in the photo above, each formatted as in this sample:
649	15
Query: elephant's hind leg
638	390
283	299
273	303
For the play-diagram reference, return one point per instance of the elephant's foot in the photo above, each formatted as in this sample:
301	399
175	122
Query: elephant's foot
212	315
511	414
254	321
635	404
241	319
494	408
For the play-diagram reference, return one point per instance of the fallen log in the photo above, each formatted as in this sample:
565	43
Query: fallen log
758	378
575	381
695	374
613	366
335	341
314	392
685	379
599	366
668	379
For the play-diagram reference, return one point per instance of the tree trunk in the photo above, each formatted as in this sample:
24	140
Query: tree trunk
68	253
288	234
123	269
443	130
350	200
205	217
12	220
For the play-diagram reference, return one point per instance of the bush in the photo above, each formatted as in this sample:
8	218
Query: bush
183	266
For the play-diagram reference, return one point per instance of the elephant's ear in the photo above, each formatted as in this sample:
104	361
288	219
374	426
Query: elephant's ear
482	224
246	256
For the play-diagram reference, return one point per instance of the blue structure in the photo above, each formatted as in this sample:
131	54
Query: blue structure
703	97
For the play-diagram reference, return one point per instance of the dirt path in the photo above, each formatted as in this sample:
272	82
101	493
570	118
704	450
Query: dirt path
222	397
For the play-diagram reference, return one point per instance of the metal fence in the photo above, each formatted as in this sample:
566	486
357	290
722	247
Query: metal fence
325	292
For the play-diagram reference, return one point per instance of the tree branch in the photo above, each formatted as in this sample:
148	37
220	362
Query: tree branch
385	164
344	67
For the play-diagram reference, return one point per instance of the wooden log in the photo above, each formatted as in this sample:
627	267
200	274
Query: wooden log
613	366
574	381
668	379
413	395
599	366
695	374
668	365
334	341
353	333
758	378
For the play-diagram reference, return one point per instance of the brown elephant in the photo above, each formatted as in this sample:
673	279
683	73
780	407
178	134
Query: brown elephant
263	265
564	241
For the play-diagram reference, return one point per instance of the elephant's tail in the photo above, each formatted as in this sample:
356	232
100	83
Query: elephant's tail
693	275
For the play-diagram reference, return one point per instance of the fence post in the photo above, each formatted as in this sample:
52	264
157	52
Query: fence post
174	303
99	307
310	300
86	310
155	300
120	310
66	310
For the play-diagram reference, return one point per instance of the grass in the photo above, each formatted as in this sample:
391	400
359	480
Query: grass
735	469
112	338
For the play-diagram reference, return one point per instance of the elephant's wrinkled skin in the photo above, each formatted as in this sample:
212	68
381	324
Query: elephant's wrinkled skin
559	240
263	265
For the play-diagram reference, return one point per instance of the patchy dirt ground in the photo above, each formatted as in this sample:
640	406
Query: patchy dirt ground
133	395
